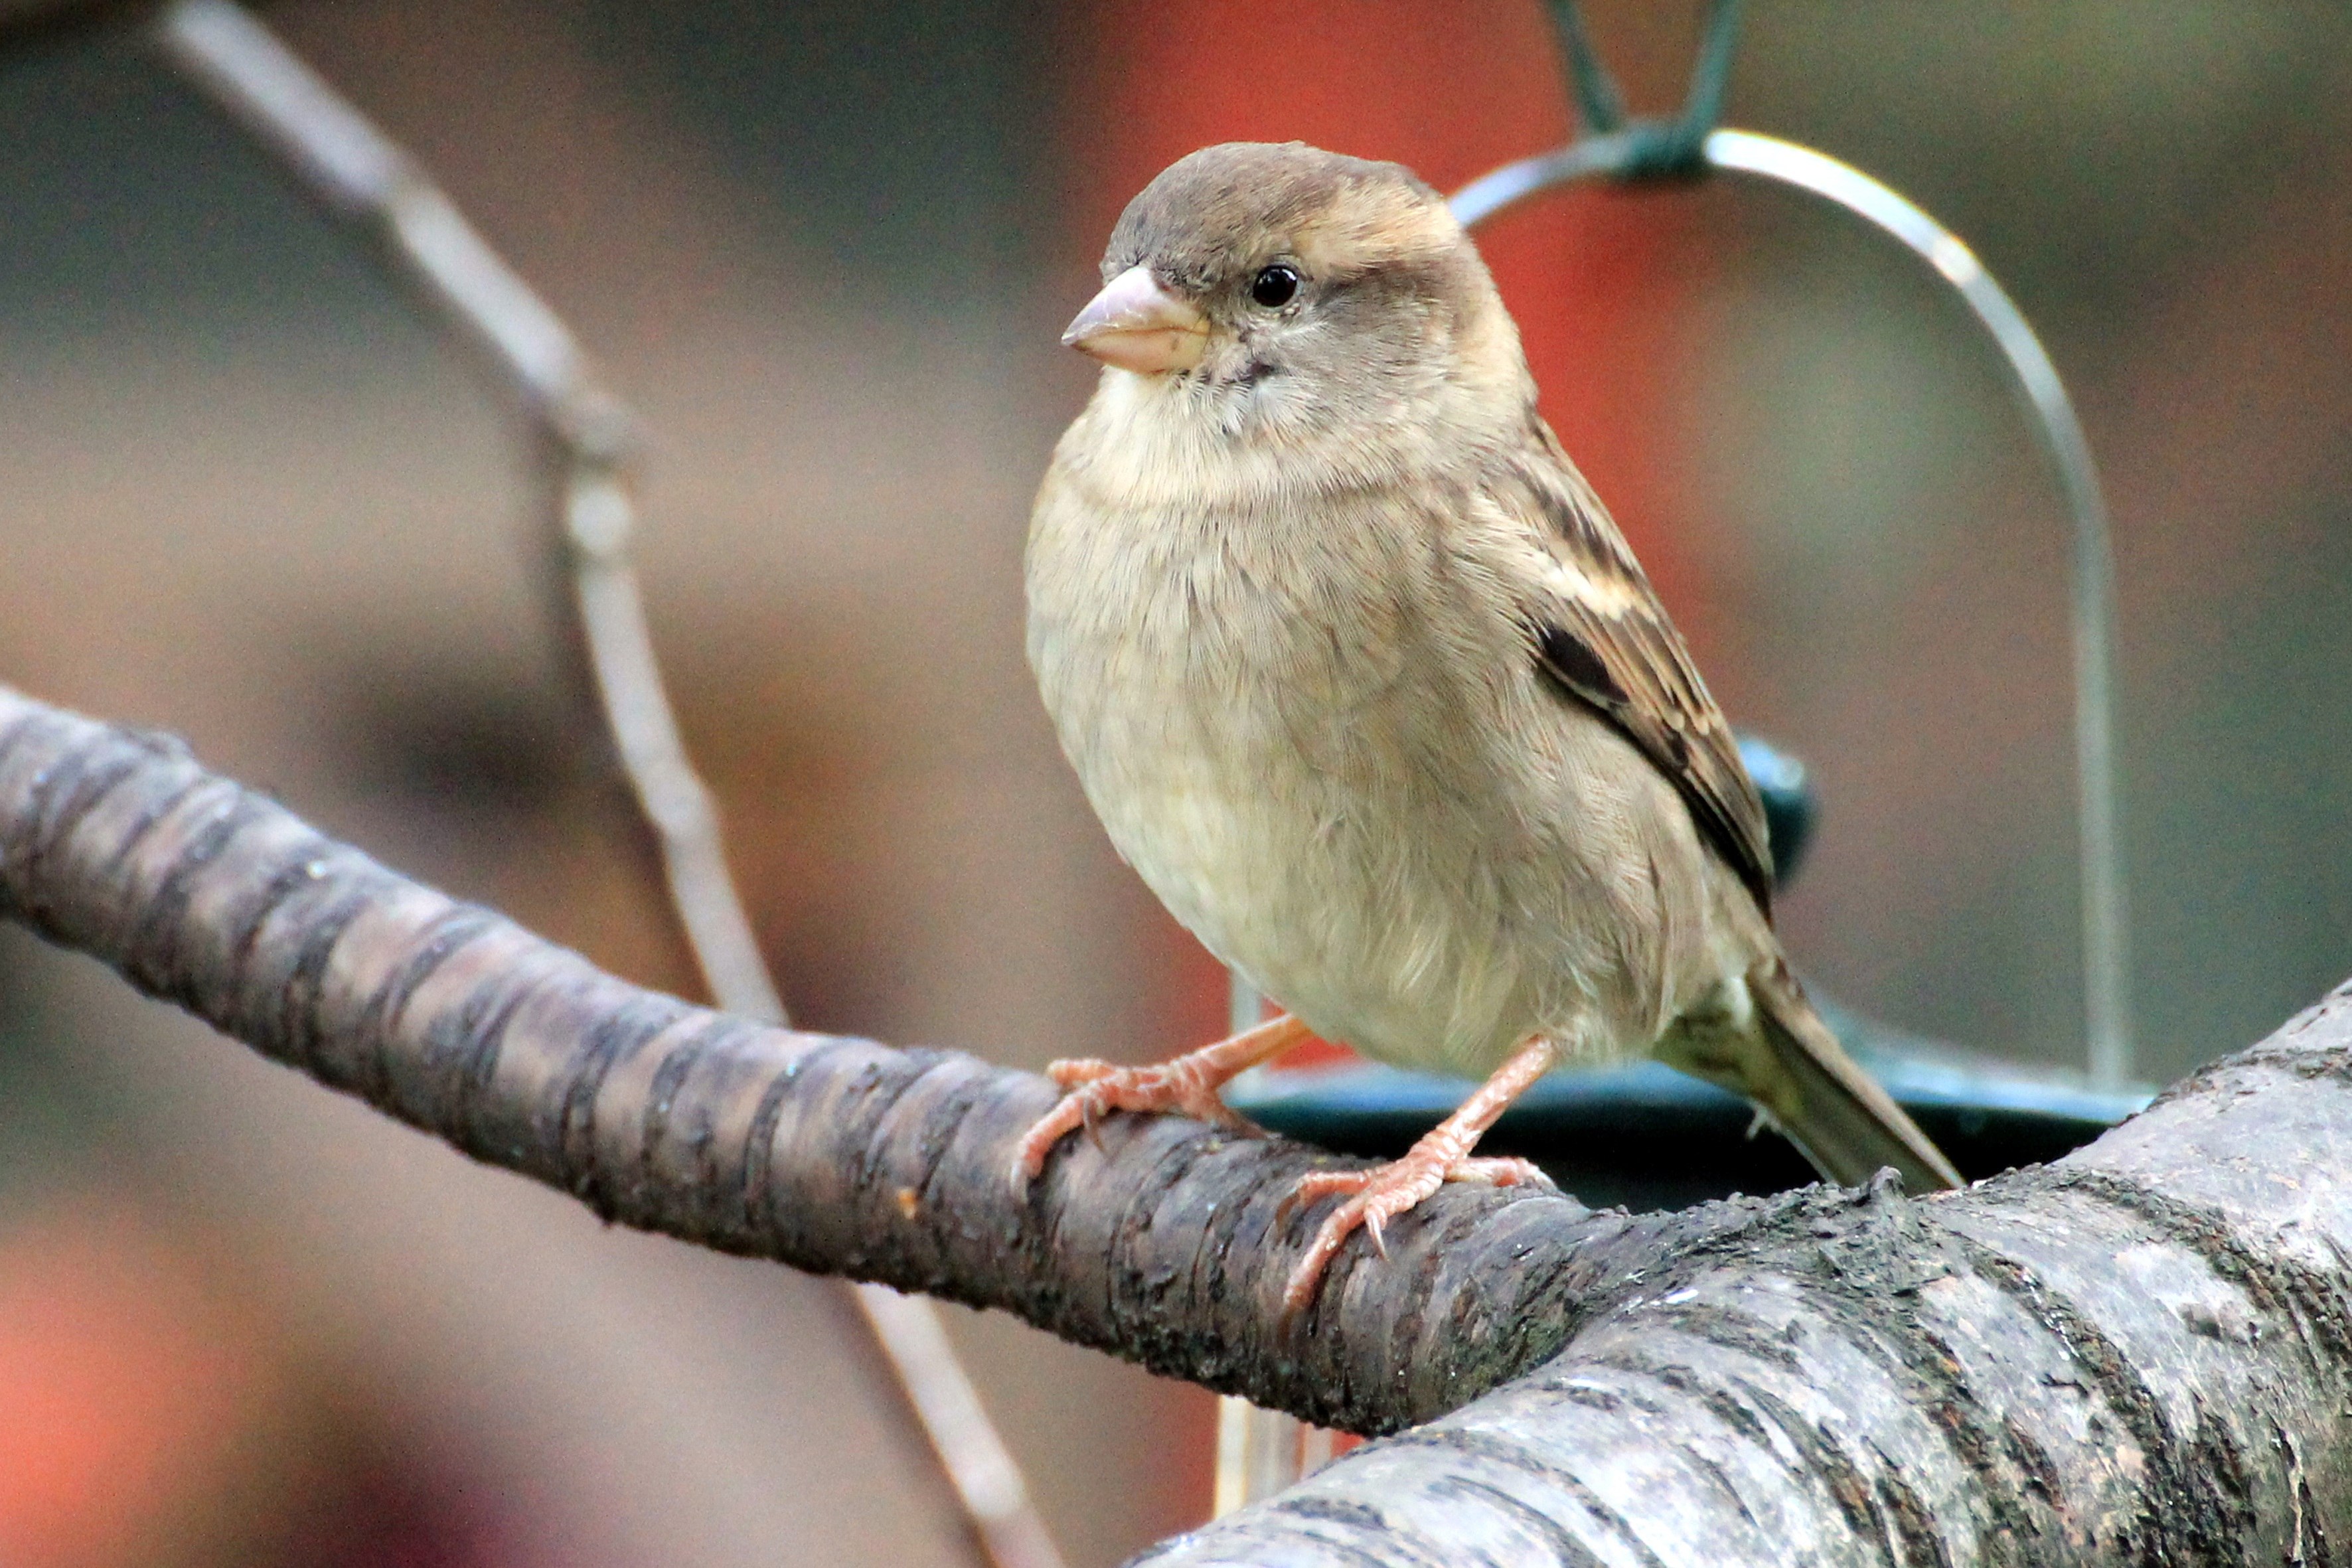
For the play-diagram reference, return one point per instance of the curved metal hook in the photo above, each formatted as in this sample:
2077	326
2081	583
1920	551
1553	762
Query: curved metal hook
2106	1003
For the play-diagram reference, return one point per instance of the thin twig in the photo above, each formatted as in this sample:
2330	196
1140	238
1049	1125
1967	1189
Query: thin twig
345	162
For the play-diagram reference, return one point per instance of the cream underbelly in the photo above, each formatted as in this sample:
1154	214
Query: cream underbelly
1420	849
1410	941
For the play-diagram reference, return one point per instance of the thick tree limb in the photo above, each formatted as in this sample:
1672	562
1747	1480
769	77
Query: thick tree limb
2142	1353
2138	1355
839	1156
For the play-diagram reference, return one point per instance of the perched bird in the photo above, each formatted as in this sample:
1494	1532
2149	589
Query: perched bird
1364	683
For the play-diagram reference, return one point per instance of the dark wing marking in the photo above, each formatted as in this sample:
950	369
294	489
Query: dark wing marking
1602	634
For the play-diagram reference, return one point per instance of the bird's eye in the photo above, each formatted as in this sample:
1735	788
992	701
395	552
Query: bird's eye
1274	286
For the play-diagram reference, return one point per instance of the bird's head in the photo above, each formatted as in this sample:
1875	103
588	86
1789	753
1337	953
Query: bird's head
1277	292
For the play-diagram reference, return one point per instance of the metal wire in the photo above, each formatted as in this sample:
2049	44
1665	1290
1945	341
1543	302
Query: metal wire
2105	933
344	161
1655	149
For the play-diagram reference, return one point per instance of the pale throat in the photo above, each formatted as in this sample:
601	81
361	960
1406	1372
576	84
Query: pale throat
1156	440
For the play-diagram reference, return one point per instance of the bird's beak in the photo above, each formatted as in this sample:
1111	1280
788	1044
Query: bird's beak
1137	325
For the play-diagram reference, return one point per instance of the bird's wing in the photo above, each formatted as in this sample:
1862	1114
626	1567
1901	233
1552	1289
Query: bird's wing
1601	635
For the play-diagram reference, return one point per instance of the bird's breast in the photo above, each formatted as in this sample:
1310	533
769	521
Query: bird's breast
1250	703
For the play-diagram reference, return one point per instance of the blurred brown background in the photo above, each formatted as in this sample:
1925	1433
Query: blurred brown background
248	494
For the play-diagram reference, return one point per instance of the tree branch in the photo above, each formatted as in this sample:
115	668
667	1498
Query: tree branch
836	1155
2142	1353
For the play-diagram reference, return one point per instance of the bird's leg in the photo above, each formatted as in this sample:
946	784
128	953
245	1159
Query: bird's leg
1189	1084
1378	1195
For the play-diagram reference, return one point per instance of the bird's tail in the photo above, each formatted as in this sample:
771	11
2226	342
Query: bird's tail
1795	1071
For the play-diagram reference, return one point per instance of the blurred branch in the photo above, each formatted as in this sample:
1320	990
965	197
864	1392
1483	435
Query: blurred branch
2141	1353
349	165
344	161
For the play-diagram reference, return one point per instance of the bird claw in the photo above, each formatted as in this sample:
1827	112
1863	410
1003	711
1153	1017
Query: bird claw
1501	1171
1072	1072
1093	1089
1318	1185
1378	1195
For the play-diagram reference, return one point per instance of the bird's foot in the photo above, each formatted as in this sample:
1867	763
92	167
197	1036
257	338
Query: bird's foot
1185	1086
1443	1156
1378	1195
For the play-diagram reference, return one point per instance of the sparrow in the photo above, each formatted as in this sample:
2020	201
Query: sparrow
1364	683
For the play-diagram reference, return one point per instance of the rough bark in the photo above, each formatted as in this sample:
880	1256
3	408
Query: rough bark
2136	1355
836	1155
2140	1354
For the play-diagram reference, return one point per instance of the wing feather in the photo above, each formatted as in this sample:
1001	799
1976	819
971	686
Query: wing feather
1602	637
